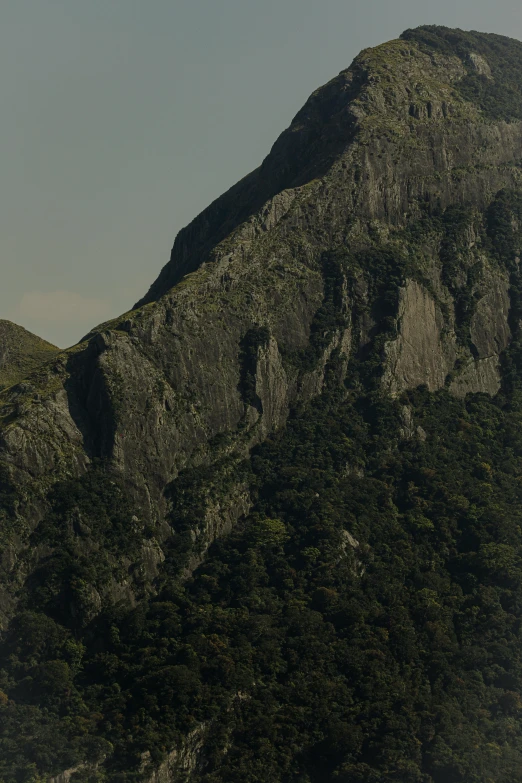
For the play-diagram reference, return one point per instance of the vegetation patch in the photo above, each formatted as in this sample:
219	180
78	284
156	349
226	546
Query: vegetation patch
498	92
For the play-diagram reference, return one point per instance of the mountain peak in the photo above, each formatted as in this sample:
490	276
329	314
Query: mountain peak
453	73
21	352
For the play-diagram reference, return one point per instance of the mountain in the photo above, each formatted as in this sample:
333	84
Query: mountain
267	525
20	353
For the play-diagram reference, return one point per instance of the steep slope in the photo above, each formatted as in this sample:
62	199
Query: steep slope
20	353
387	138
375	251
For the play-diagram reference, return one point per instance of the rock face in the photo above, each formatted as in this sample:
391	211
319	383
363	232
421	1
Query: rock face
229	337
426	350
421	354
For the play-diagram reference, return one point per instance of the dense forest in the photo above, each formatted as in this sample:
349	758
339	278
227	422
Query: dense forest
361	624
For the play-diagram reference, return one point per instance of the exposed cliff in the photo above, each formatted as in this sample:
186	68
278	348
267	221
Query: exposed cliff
376	249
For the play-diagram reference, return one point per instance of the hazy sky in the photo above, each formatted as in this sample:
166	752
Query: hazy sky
122	119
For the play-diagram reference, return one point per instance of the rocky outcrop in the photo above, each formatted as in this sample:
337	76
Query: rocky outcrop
66	775
478	375
490	332
426	351
180	763
422	354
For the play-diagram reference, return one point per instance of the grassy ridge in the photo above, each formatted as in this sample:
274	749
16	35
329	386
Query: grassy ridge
20	353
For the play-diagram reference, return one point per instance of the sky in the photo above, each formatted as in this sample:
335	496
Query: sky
123	119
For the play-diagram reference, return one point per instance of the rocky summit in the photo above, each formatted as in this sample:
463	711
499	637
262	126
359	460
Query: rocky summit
267	526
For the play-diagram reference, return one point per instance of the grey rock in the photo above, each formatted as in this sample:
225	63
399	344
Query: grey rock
421	354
